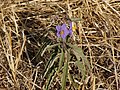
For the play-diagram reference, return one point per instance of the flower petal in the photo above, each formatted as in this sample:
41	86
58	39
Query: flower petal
66	32
58	34
58	28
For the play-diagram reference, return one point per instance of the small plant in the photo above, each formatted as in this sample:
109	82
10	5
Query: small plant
59	63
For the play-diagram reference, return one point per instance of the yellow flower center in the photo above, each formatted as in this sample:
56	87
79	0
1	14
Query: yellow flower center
61	32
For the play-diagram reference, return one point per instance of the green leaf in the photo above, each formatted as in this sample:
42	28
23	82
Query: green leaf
48	42
50	79
65	71
49	47
81	67
50	64
76	19
64	76
61	60
79	53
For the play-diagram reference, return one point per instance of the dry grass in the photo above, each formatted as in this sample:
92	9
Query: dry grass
25	31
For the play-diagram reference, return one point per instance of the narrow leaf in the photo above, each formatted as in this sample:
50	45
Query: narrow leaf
61	60
81	68
76	19
79	53
50	79
64	76
48	47
65	71
50	64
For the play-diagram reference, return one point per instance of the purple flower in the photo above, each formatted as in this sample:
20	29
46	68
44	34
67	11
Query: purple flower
62	31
